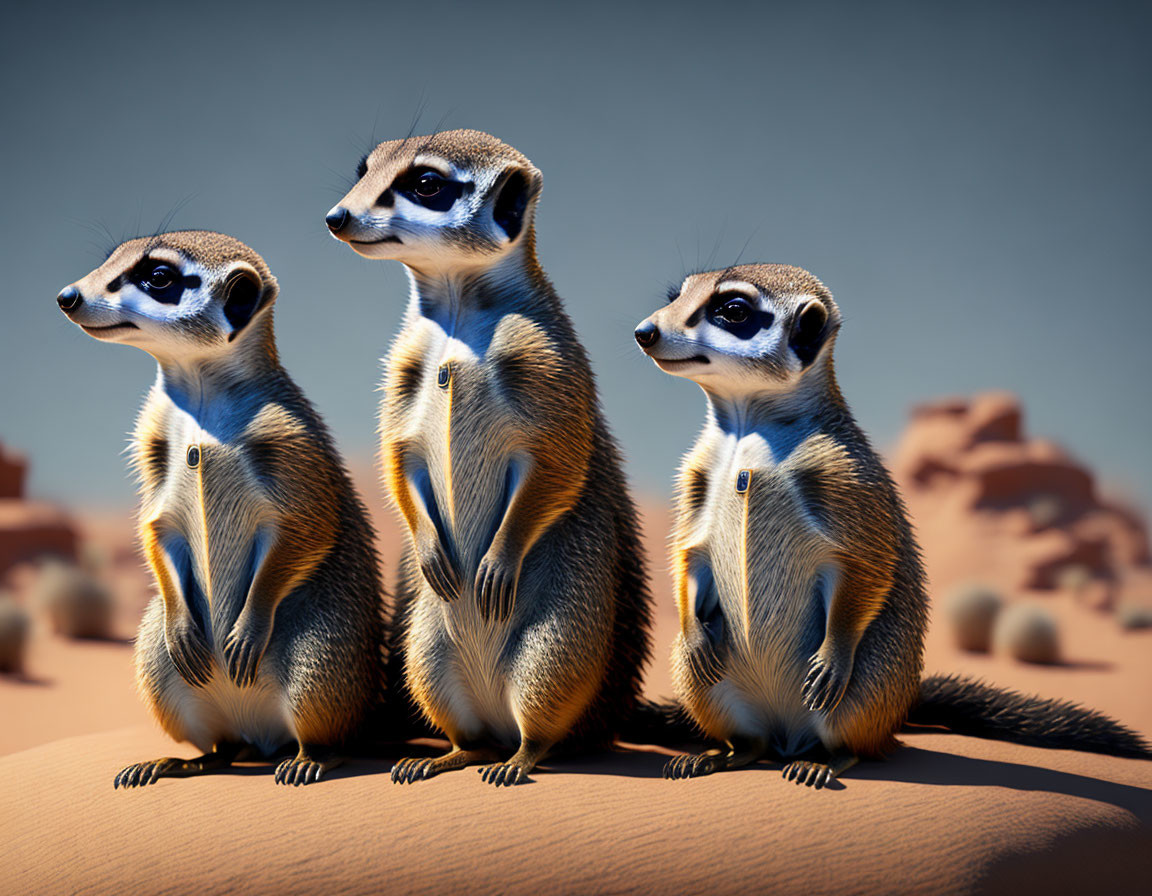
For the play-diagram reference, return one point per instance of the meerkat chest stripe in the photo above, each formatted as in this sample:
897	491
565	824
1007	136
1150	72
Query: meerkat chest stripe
743	484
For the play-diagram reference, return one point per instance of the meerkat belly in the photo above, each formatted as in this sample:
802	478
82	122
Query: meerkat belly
216	520
464	428
770	566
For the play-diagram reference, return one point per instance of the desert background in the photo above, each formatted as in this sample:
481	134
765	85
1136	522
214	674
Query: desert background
970	182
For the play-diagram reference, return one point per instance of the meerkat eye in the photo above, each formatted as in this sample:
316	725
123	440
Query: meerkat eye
161	281
734	311
428	185
161	277
429	188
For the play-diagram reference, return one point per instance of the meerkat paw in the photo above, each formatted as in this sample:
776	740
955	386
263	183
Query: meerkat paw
504	774
496	586
818	774
189	653
812	774
438	569
243	650
409	771
141	774
825	684
694	765
306	767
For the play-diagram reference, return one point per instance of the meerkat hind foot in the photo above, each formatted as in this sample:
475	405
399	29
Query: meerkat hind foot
141	774
308	766
408	771
696	765
516	769
817	774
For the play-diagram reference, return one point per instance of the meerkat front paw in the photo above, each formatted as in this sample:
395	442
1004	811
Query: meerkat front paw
189	652
437	567
496	586
244	648
826	682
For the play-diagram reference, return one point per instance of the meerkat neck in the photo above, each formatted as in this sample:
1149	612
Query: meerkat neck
197	382
742	412
443	292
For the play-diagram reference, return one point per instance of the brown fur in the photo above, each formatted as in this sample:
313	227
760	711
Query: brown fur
524	611
819	520
267	627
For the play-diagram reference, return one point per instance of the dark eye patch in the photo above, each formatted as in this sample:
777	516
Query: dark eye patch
672	294
738	314
429	188
162	281
362	166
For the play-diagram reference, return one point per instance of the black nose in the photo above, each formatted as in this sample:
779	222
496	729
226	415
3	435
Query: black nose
69	299
337	218
647	334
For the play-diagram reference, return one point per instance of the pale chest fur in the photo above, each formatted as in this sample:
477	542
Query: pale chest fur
210	506
772	564
460	419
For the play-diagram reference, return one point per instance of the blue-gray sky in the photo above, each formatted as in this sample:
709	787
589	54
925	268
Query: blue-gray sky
972	182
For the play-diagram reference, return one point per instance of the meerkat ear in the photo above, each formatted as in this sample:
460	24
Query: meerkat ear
520	186
809	332
244	295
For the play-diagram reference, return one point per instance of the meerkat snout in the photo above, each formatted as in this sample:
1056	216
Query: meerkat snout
336	219
69	299
647	334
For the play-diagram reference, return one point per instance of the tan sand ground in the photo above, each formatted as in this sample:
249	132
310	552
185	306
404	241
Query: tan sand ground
944	814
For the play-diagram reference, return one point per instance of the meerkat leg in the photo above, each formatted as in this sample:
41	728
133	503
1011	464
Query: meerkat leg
143	773
741	751
411	488
187	648
857	599
817	774
308	766
548	696
408	771
288	560
516	769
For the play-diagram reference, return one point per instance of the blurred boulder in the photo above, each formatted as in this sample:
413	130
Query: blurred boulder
13	636
77	604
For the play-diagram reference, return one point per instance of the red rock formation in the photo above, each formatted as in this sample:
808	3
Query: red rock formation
29	529
993	505
12	472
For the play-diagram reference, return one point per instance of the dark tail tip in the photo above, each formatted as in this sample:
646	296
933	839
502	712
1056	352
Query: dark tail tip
973	708
665	724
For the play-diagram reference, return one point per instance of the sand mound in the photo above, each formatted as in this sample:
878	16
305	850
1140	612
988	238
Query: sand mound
947	814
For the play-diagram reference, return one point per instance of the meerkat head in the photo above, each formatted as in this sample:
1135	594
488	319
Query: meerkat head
455	199
743	330
176	295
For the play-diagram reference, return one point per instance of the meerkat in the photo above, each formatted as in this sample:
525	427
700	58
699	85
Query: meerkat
798	580
523	597
267	628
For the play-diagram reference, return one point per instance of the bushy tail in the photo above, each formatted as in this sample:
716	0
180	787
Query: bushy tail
664	723
971	707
